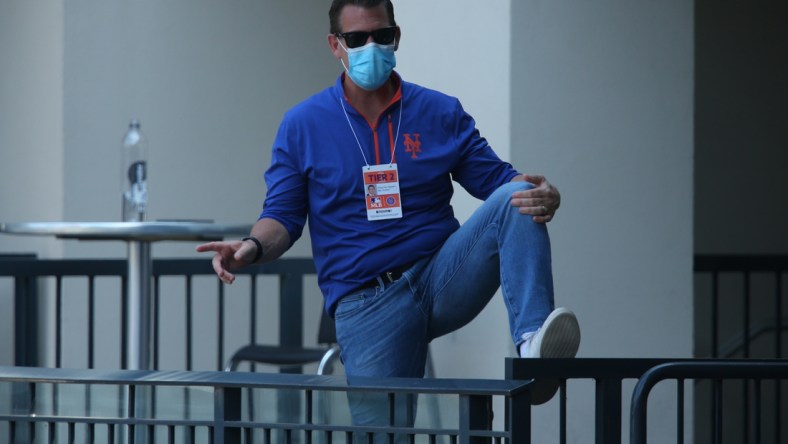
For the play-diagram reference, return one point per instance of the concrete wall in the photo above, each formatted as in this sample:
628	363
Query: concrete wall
479	74
31	118
597	97
31	133
602	104
209	83
741	144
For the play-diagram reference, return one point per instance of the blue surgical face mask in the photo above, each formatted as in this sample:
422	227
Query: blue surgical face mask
370	65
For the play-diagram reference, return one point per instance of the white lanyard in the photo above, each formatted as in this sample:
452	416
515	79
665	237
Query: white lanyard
381	182
396	135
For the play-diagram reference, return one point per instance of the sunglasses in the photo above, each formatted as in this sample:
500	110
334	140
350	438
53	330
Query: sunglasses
382	36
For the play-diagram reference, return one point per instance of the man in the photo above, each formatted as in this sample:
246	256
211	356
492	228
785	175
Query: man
422	275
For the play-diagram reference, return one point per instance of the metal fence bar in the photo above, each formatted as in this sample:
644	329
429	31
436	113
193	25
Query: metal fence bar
189	312
227	408
562	412
716	411
607	373
700	369
778	348
291	289
58	321
777	406
25	307
253	310
680	411
291	273
746	313
27	270
226	425
744	265
220	323
715	314
757	418
608	410
156	313
124	336
778	310
91	320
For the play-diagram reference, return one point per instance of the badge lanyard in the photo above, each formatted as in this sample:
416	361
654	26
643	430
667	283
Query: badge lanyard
381	182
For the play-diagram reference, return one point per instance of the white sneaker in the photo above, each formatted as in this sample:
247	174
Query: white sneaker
559	337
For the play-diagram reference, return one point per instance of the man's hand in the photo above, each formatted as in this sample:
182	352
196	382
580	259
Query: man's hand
230	255
541	202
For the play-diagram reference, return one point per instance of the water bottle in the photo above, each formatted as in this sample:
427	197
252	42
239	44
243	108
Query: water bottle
134	169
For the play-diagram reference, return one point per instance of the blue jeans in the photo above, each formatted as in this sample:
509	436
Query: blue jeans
384	331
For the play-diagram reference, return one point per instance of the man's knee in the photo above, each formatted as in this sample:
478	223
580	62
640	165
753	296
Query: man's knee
503	195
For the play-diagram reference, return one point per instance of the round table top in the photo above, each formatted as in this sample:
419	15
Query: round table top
129	231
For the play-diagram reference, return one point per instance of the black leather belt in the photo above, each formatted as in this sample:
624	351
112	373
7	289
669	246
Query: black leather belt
388	277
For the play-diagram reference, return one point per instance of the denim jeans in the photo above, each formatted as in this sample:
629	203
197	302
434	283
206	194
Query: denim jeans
384	331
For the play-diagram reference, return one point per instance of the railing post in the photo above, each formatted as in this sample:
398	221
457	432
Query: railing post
518	417
227	407
25	315
475	414
291	289
608	411
23	401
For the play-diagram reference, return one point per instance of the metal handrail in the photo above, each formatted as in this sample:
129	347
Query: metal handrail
701	369
745	265
25	271
474	395
740	262
774	326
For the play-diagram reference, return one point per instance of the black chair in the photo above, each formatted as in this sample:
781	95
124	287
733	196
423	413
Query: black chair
293	357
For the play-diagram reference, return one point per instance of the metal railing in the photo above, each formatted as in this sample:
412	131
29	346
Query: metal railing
29	275
717	371
739	300
130	422
742	297
608	376
740	284
724	276
34	418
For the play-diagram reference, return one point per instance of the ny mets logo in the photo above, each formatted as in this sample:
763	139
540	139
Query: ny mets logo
413	144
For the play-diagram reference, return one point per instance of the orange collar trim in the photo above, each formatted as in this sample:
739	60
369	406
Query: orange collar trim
397	83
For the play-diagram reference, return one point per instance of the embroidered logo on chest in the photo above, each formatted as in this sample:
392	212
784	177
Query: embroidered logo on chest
413	144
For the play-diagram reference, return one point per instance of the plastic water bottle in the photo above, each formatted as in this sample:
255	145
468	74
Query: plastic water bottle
134	169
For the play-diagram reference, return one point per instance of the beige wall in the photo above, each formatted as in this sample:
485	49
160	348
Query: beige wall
31	132
597	97
602	100
209	82
31	118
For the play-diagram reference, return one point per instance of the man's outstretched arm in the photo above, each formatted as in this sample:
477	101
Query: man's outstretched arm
229	256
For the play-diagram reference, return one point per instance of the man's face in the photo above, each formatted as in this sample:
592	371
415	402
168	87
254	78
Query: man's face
356	18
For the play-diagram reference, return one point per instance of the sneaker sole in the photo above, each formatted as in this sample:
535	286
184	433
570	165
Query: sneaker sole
561	339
